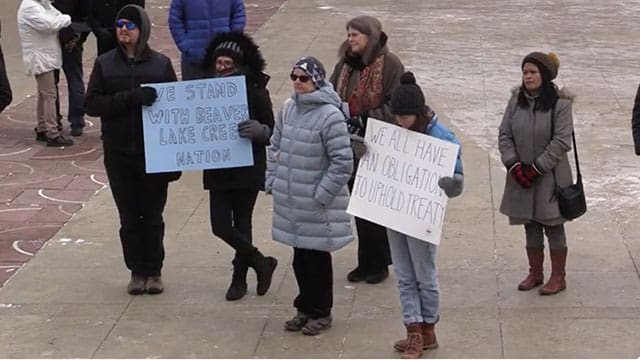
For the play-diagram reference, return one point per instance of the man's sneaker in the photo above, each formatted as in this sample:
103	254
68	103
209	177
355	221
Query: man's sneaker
76	131
297	322
136	285
59	141
154	285
315	326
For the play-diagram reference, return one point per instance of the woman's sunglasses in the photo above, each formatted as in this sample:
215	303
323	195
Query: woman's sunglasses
302	78
129	25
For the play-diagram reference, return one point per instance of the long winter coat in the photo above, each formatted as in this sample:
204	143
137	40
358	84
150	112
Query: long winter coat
5	89
260	109
110	94
38	26
635	122
391	73
308	165
193	23
525	136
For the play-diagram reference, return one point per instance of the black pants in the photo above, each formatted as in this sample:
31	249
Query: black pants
373	246
6	95
231	214
140	199
72	67
314	274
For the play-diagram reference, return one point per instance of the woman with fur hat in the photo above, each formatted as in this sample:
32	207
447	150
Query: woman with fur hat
308	165
414	260
233	192
534	138
365	77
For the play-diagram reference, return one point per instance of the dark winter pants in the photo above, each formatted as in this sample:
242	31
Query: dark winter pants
314	274
5	89
373	246
231	214
72	67
555	234
140	199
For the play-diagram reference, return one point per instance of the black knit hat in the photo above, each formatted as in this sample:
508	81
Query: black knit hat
231	49
407	98
132	14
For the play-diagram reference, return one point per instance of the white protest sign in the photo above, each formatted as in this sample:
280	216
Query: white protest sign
193	125
396	184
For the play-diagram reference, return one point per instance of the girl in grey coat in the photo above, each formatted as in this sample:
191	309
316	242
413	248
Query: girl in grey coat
309	163
535	136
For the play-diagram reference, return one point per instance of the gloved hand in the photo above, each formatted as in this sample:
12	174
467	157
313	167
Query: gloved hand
355	125
452	185
145	95
253	130
531	172
516	173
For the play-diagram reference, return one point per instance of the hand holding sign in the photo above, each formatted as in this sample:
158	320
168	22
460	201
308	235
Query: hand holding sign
193	125
398	182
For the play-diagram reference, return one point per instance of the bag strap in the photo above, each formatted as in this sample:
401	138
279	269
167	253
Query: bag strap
575	147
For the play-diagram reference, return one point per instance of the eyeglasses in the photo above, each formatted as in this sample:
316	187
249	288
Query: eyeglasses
129	25
302	78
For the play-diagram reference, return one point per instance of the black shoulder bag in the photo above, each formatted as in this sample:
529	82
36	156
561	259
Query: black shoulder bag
571	199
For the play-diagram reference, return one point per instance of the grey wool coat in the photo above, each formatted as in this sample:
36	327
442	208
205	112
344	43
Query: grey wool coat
309	163
525	136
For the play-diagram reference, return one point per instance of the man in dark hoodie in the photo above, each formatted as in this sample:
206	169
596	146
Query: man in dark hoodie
102	14
72	39
233	192
5	88
114	93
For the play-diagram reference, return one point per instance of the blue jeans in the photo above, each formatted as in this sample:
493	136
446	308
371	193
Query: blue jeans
72	67
414	262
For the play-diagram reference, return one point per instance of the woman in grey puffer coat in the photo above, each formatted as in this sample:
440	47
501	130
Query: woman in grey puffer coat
309	164
535	136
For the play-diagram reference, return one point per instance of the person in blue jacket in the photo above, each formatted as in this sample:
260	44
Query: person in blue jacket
414	260
194	23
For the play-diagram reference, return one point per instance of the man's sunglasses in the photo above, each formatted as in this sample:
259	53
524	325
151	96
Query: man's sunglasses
129	25
302	78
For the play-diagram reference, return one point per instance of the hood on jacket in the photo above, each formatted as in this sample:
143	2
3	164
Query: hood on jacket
563	93
322	96
252	62
145	29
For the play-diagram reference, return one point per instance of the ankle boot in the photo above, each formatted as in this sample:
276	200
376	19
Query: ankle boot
264	267
556	281
535	277
429	340
415	344
238	287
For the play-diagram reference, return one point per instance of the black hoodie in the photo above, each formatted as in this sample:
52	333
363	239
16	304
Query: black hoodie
260	108
109	92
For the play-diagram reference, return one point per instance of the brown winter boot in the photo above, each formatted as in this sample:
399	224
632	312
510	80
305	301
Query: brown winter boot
413	350
556	281
429	340
535	277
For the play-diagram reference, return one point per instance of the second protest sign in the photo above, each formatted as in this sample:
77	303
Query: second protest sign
396	183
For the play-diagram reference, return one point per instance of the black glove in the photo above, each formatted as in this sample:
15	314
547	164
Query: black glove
253	130
355	125
145	95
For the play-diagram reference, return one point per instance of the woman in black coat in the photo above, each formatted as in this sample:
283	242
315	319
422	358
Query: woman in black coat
233	192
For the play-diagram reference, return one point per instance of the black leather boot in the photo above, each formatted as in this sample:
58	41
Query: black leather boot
238	287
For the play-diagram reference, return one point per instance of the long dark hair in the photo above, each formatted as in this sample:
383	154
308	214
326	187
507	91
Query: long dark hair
547	95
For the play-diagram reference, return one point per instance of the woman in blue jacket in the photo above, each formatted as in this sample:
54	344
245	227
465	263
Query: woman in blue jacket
414	260
194	23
